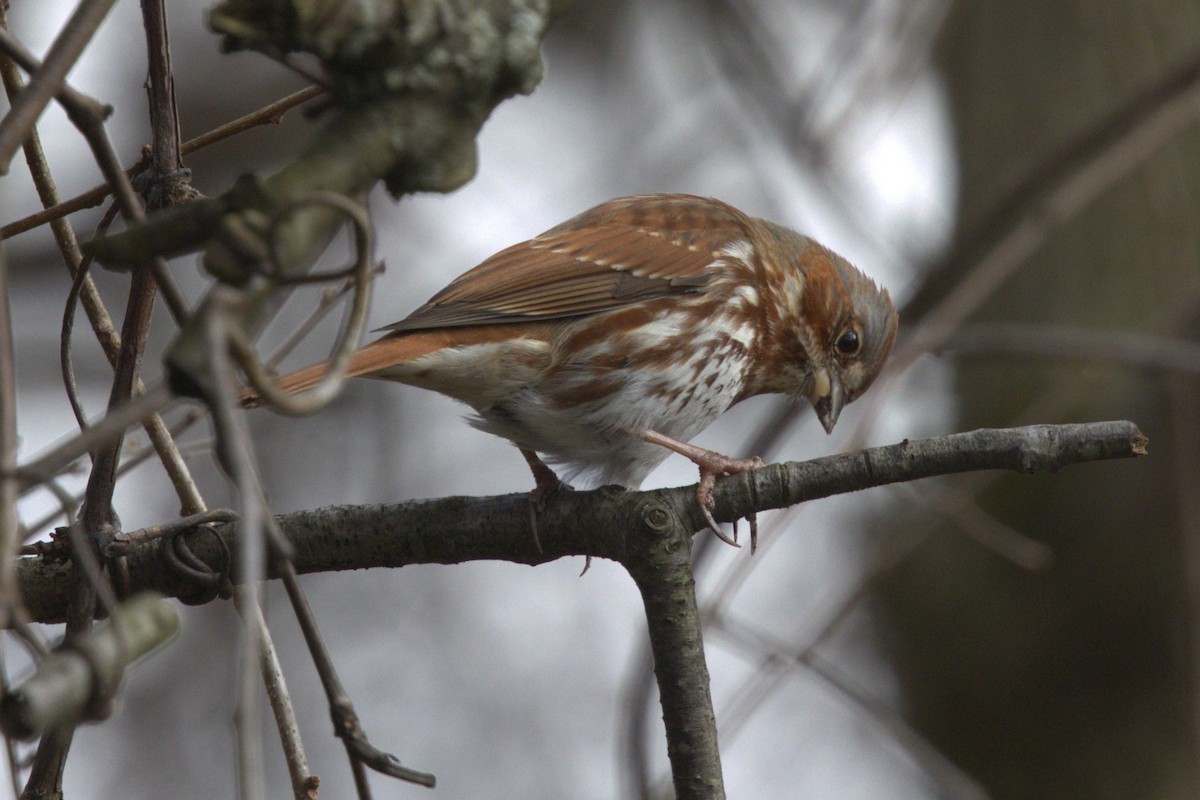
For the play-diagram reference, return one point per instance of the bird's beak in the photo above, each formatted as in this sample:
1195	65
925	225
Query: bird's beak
827	398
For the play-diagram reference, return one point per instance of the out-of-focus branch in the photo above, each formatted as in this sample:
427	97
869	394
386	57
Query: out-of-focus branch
1137	350
71	682
10	536
1056	189
109	427
452	530
304	783
409	115
50	77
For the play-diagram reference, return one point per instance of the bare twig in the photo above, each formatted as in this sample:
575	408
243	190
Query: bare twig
327	301
49	78
125	541
64	235
345	721
82	277
271	114
166	156
103	477
233	450
130	462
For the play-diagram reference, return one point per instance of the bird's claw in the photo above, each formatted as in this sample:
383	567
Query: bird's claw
705	500
711	465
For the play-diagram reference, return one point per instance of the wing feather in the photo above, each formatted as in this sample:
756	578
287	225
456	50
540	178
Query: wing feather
620	253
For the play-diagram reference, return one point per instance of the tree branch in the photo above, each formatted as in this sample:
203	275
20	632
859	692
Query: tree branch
452	530
660	562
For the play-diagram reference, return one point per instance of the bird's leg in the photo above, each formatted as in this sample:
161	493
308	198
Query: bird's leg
711	464
547	484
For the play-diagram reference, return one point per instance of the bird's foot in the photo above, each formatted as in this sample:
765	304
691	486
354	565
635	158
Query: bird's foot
712	464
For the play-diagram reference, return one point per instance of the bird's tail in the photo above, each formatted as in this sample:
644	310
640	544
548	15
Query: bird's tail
378	356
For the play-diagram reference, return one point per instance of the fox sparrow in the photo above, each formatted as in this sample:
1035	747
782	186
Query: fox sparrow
610	340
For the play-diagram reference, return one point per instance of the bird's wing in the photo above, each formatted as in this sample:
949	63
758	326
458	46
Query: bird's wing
617	254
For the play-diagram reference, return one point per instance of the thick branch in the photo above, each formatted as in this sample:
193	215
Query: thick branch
660	562
451	530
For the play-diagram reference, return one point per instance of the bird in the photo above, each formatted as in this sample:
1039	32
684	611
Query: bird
609	341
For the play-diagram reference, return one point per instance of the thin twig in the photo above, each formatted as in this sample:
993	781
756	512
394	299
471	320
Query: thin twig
64	234
103	477
303	781
97	435
88	117
130	462
270	114
166	157
264	385
82	277
125	541
326	303
345	720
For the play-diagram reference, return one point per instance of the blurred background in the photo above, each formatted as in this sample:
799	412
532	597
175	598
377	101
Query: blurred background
978	636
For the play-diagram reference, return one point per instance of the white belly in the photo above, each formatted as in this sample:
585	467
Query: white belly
589	420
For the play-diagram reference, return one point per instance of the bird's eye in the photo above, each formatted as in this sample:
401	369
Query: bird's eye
848	343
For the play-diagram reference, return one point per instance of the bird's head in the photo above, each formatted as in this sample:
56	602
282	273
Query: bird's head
851	341
832	326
